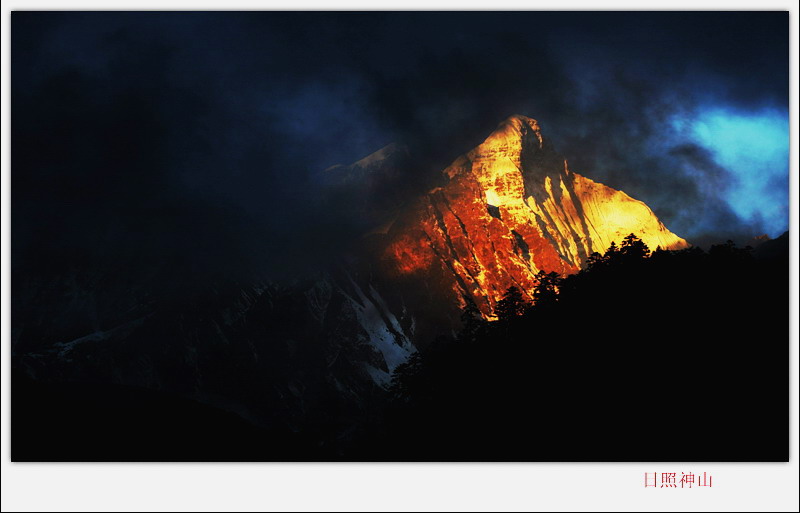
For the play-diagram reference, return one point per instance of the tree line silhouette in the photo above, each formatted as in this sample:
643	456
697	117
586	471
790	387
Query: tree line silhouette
641	356
656	356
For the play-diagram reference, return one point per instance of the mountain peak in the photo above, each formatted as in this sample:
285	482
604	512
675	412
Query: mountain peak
511	208
519	122
515	131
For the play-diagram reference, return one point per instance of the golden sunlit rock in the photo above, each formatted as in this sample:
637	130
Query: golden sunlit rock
510	208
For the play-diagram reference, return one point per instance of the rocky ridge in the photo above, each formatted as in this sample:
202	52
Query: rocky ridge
509	208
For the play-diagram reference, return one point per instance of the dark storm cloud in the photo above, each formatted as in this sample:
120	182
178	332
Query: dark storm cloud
200	135
643	79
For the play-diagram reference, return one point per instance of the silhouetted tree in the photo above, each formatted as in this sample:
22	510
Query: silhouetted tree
546	291
595	261
471	320
512	305
730	252
634	248
406	377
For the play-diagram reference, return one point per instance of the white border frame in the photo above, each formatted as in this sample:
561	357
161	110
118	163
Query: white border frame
389	487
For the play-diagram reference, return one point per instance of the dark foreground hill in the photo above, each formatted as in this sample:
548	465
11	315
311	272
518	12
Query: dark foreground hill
679	356
675	356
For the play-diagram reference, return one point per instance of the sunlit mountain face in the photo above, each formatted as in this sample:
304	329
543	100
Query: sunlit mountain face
288	236
509	209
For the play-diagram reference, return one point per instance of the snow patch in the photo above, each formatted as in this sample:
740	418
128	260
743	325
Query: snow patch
388	339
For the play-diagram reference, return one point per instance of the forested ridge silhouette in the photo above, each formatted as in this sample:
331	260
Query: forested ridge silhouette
642	356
